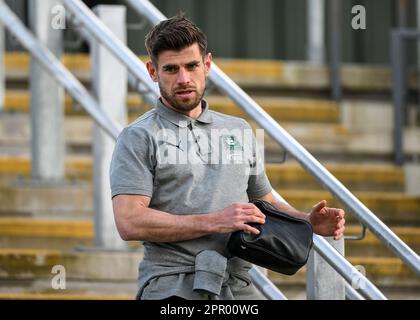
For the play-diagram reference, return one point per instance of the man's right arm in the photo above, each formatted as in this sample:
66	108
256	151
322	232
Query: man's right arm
136	221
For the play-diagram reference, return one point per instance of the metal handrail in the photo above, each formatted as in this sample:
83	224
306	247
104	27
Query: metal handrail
308	162
264	285
88	20
57	70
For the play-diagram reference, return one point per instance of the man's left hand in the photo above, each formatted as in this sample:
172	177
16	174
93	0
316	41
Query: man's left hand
327	221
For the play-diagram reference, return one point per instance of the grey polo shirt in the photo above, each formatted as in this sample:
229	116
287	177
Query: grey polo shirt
188	166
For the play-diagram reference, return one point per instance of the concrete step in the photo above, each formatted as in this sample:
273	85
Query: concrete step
36	289
290	175
52	233
19	167
356	177
65	199
248	73
335	142
89	265
393	208
17	66
372	246
30	233
282	109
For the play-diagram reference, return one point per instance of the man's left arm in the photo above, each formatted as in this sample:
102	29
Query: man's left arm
325	221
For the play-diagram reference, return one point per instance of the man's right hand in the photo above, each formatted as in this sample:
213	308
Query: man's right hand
237	217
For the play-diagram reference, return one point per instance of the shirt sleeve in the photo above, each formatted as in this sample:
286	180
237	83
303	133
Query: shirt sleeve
133	162
258	183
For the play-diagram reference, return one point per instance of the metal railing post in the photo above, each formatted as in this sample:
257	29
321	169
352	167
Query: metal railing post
100	32
399	77
47	114
335	48
56	69
322	281
2	65
109	83
316	39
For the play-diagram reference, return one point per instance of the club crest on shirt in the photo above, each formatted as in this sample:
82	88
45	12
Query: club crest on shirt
233	146
232	142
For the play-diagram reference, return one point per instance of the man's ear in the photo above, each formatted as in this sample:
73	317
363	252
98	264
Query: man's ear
152	71
207	62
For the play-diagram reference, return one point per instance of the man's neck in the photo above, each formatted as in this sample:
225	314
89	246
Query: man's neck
194	113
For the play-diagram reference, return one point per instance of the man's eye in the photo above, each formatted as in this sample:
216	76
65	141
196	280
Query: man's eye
170	69
192	66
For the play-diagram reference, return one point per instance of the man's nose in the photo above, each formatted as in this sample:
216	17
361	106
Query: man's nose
183	76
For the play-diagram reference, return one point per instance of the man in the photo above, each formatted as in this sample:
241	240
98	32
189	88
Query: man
182	189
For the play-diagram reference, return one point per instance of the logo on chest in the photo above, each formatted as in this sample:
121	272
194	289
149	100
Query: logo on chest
233	149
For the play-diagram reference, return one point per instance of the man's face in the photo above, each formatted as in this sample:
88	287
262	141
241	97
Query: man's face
181	76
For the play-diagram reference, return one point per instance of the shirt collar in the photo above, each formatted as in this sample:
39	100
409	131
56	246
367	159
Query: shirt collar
180	119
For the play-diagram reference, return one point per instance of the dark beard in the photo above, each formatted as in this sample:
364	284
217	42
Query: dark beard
181	106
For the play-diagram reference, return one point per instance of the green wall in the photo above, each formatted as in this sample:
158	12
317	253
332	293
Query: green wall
263	29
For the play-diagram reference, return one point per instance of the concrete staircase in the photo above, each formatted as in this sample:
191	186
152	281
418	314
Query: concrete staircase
44	225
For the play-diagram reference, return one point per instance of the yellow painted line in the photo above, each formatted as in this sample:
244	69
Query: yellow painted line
377	173
21	61
279	108
20	101
251	71
80	61
81	167
382	266
274	102
56	296
285	109
16	60
251	68
392	196
29	252
378	202
410	235
15	165
18	165
46	228
17	101
375	266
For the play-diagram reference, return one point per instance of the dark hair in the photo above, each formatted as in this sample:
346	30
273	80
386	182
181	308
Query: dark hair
176	33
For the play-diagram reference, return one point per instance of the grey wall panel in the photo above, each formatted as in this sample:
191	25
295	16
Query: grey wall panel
264	29
258	28
20	8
